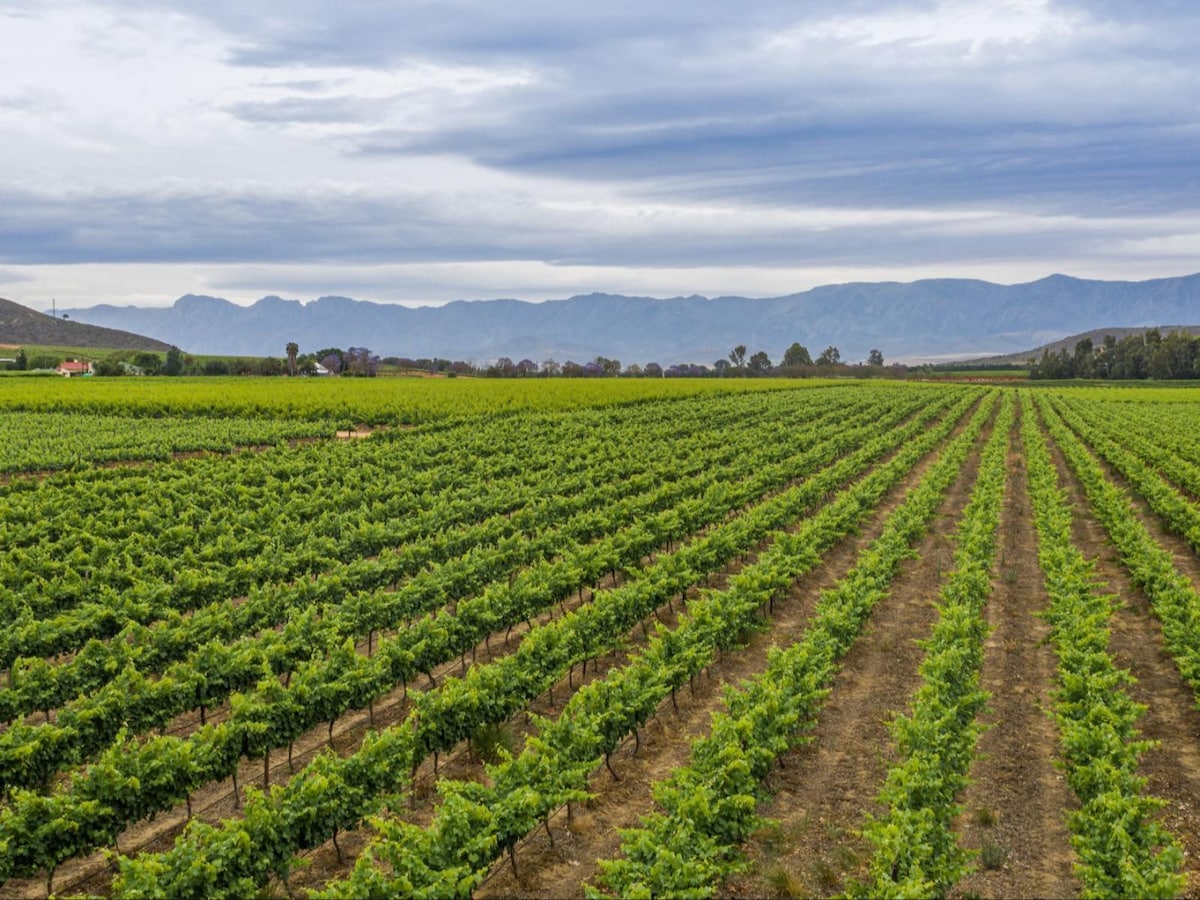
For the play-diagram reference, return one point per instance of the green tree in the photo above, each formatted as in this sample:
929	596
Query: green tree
760	363
797	355
737	356
174	363
150	363
830	356
1084	363
22	360
292	350
109	367
875	358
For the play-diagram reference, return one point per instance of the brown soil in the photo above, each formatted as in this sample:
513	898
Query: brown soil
1184	557
1173	767
824	789
460	763
1017	802
561	870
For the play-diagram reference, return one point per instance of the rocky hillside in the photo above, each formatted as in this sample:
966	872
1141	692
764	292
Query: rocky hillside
22	326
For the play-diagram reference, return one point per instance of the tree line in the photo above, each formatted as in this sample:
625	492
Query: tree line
797	362
1138	356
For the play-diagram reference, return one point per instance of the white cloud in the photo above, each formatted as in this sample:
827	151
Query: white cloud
429	151
10	277
961	26
126	98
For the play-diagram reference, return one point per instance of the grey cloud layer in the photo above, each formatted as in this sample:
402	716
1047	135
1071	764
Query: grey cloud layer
682	95
770	106
322	227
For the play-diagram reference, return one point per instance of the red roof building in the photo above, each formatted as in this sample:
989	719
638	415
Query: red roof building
72	367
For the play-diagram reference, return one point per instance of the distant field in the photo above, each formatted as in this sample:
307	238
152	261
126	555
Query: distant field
62	351
347	401
740	638
982	374
1132	391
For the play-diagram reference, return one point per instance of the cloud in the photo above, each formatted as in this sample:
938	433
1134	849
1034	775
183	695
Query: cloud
14	276
629	136
1023	103
169	224
305	110
884	162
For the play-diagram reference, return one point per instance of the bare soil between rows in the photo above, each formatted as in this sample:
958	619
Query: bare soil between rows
1015	808
822	791
1172	768
561	869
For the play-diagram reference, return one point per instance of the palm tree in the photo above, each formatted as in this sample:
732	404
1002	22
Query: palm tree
293	349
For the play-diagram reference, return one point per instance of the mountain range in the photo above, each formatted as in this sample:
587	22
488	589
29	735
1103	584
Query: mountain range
918	321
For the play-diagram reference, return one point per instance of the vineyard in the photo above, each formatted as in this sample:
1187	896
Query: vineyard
541	638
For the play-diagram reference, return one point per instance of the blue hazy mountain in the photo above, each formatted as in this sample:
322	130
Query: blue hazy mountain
906	321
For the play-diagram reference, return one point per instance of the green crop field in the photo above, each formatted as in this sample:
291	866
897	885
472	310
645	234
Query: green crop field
352	401
556	637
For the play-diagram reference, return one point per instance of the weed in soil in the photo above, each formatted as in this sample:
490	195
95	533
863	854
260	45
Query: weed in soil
985	817
784	883
992	856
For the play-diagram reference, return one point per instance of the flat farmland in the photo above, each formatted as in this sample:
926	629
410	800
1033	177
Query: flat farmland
734	637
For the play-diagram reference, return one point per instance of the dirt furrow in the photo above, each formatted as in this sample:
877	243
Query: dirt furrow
1015	808
822	791
1172	768
327	862
561	870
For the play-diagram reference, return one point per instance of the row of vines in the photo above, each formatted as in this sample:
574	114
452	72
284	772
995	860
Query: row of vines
317	628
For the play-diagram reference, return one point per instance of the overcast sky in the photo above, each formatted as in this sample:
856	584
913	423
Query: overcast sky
426	151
